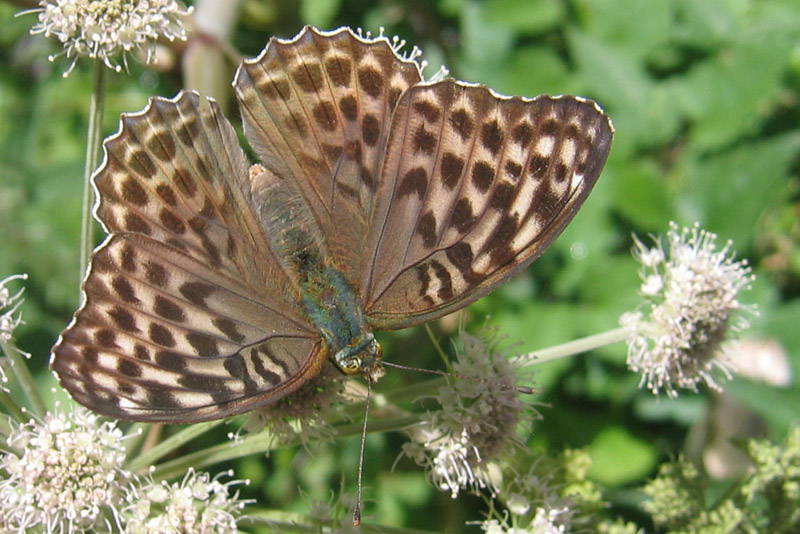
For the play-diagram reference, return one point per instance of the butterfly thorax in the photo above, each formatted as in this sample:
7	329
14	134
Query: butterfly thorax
331	303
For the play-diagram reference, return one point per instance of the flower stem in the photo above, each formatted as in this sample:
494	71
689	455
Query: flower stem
24	377
13	409
93	137
571	348
164	448
282	521
259	443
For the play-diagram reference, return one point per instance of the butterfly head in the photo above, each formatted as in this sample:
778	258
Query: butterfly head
361	357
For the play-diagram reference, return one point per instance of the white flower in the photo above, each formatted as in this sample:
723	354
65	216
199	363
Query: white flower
9	304
477	421
304	413
692	305
198	504
518	504
545	521
62	474
9	318
108	28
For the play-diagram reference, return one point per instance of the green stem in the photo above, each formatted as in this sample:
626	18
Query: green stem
93	140
12	407
252	444
134	437
259	444
571	348
281	521
24	377
164	448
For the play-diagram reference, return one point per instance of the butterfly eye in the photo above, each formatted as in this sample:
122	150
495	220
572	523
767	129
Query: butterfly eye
350	365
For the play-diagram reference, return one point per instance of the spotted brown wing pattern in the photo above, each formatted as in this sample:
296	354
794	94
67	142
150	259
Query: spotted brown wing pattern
380	201
431	210
474	187
186	315
317	111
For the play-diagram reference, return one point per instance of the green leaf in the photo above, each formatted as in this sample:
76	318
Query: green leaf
641	194
525	16
685	409
485	46
619	457
643	112
534	70
704	24
729	95
319	13
398	492
637	26
728	193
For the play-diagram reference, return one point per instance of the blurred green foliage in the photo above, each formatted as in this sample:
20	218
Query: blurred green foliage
705	97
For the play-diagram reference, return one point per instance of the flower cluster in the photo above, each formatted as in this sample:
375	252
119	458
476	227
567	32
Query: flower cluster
767	499
66	473
305	413
545	521
61	474
477	420
106	29
198	504
692	290
552	496
9	316
9	304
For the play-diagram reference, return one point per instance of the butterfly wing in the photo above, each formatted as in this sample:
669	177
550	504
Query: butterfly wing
188	314
474	187
316	110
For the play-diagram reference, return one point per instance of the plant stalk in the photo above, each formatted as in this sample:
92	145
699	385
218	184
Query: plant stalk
93	140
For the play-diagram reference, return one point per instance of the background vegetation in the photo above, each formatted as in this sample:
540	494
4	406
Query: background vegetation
705	97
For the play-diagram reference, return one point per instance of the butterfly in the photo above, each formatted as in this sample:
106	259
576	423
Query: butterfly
381	201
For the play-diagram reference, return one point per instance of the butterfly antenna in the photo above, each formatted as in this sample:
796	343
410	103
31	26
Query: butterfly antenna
357	508
519	389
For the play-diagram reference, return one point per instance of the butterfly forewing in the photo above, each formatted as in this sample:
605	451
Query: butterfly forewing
187	314
317	110
474	187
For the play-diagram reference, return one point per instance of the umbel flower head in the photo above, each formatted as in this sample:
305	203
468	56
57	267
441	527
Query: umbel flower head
544	521
109	29
306	412
198	504
692	307
477	421
61	474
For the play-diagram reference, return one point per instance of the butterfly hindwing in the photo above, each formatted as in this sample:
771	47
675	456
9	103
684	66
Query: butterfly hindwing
474	187
187	313
162	337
